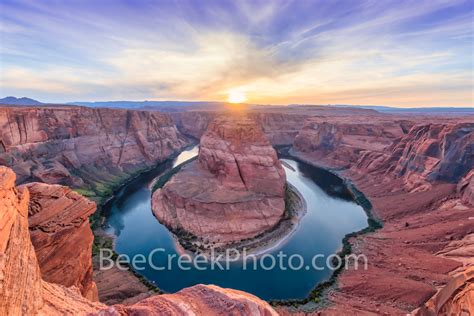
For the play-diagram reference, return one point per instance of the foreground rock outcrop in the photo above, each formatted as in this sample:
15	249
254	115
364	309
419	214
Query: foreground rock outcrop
456	298
198	300
23	291
62	237
91	149
234	191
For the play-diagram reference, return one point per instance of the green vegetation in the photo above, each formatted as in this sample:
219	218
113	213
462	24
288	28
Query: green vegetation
100	185
292	200
106	242
318	293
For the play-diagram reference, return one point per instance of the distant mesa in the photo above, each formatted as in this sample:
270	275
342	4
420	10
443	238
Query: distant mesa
234	191
19	101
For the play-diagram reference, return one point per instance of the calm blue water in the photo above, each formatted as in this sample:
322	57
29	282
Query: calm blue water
331	215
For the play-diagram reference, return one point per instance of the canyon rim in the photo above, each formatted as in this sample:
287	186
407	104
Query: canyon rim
236	158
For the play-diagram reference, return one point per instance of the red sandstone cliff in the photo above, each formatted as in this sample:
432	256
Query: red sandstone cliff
279	128
456	298
24	292
234	191
62	237
90	149
428	154
420	186
340	142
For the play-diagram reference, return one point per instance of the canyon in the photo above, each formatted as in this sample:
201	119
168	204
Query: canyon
234	191
416	170
24	290
91	150
419	185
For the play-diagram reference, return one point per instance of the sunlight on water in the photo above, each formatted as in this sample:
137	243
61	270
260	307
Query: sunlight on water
186	155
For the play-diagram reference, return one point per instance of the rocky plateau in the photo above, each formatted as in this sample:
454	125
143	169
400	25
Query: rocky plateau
234	191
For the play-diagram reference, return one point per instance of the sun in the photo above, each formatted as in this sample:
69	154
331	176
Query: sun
236	96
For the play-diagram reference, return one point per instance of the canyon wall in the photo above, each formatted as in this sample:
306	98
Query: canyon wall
418	177
279	128
234	191
456	298
93	150
341	142
62	237
429	153
23	291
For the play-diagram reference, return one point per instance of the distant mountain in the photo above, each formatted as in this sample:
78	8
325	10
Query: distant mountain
418	110
19	101
164	106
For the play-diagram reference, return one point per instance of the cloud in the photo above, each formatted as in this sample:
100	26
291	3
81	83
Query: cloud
277	51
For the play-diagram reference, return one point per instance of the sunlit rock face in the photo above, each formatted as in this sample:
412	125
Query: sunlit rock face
91	149
23	290
427	154
235	190
456	298
338	142
62	237
197	300
20	284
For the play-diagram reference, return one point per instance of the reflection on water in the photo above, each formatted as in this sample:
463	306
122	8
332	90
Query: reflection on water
186	155
331	214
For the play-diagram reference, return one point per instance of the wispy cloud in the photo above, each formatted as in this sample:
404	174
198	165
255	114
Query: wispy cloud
404	53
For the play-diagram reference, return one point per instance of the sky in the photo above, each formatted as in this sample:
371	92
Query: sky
397	53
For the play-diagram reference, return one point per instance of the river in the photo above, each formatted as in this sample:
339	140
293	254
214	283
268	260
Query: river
331	214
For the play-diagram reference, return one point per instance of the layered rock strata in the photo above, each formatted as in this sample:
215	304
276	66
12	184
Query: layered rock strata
420	186
62	237
234	191
456	298
24	292
341	143
91	149
22	289
280	128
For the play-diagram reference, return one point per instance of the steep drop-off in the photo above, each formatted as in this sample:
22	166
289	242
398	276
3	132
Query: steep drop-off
234	191
92	150
62	237
24	292
419	184
341	142
279	128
